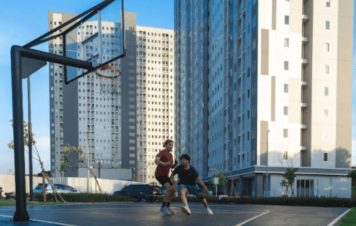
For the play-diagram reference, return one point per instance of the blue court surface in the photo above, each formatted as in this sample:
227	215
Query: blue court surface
147	214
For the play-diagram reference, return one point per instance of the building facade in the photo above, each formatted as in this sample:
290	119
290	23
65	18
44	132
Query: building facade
278	92
86	112
119	123
147	96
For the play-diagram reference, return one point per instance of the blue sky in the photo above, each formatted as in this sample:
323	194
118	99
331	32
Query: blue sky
25	20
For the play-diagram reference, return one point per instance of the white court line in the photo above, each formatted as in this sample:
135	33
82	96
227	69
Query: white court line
253	218
338	218
42	221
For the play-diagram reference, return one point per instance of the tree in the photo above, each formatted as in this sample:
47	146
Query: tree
352	174
288	181
81	159
38	158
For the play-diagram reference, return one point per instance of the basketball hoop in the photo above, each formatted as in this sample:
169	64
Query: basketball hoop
109	82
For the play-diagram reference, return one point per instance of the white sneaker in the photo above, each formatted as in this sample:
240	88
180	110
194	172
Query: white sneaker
209	211
166	211
186	210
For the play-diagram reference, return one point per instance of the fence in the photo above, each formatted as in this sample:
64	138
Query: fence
7	182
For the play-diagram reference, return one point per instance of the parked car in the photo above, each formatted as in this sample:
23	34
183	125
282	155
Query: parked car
141	192
60	188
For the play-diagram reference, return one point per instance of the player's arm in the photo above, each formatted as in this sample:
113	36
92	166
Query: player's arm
201	184
158	160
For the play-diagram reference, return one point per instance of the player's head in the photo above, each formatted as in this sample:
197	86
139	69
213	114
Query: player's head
168	144
184	159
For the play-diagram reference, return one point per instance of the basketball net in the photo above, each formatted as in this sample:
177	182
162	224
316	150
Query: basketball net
109	82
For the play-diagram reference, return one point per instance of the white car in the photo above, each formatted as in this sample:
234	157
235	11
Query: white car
60	188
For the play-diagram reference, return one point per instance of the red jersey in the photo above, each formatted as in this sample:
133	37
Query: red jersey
164	156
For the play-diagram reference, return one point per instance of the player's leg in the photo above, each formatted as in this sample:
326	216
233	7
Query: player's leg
183	192
167	184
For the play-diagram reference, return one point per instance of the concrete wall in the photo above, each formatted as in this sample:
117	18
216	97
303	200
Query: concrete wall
327	186
7	182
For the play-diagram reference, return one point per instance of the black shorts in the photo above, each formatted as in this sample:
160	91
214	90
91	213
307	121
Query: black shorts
164	179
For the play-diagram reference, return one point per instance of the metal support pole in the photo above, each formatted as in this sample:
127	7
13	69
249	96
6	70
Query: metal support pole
17	52
17	114
30	138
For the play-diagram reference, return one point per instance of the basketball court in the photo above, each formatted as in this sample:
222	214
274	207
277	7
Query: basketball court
137	214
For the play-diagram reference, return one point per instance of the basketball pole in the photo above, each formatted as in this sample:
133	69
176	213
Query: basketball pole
17	54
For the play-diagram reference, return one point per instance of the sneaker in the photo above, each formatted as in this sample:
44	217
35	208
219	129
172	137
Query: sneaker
209	211
170	210
186	210
166	211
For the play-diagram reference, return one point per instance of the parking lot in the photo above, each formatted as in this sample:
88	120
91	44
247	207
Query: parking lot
136	214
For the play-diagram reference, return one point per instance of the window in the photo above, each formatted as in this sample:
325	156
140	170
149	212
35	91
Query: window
286	20
305	188
326	112
286	88
327	47
285	110
286	42
286	65
327	69
327	25
285	155
325	157
327	3
326	91
285	133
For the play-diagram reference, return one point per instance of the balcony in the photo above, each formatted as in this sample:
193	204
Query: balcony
304	105
305	61
304	83
305	18
303	126
303	148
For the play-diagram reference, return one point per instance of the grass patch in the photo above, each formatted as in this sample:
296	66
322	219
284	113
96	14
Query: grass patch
354	192
7	202
349	218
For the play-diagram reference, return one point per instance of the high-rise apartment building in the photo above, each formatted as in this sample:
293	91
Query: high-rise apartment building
86	112
125	124
263	86
148	83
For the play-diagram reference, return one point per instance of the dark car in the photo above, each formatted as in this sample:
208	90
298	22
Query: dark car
141	192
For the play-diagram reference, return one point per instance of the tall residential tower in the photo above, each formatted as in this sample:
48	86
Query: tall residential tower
263	86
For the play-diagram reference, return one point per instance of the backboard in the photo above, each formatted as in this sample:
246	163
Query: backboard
98	39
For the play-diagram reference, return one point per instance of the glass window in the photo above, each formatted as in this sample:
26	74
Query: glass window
327	69
286	20
286	42
285	155
326	91
327	3
286	65
327	47
325	157
285	110
286	88
285	133
327	25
